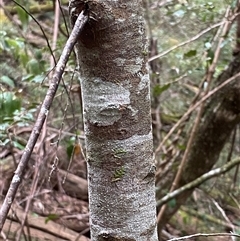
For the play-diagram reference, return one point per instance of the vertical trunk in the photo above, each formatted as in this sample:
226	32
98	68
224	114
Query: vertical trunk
112	53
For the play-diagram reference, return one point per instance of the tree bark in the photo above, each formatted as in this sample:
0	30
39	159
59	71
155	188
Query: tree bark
112	59
221	116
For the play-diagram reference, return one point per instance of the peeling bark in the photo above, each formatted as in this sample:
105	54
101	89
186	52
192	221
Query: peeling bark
112	58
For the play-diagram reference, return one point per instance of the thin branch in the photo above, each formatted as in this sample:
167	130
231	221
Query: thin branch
18	176
55	33
224	33
198	181
184	159
193	38
207	217
190	110
187	41
225	217
205	235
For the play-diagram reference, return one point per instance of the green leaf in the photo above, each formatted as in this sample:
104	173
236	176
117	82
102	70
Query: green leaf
190	53
33	67
15	47
38	54
16	44
38	79
210	56
18	145
51	217
23	16
7	81
209	6
28	77
172	203
9	103
185	220
234	4
23	58
181	147
159	89
5	141
70	149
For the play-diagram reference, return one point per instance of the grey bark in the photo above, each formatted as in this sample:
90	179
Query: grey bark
112	58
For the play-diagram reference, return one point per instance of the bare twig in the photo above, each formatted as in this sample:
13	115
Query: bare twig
39	228
190	110
205	235
34	183
199	181
207	217
81	234
187	41
18	176
224	33
193	38
55	32
225	217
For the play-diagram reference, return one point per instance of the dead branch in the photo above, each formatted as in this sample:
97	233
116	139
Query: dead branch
18	176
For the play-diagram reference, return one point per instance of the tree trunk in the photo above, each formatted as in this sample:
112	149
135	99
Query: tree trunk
221	116
112	58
